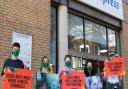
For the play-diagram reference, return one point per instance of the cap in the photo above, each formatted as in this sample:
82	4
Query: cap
111	53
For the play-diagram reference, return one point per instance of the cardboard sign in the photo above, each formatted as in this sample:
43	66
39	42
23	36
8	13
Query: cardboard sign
75	80
115	67
17	79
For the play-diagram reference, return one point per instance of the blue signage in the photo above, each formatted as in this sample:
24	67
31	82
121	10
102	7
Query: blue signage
126	1
113	3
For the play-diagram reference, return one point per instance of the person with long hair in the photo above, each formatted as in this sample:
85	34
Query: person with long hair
42	83
89	71
45	65
67	69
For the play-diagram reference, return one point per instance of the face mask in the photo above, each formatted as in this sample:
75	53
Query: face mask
68	64
15	53
45	64
89	68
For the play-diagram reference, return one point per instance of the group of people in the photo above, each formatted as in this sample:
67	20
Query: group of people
112	82
14	62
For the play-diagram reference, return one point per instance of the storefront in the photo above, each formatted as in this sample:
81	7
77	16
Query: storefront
85	32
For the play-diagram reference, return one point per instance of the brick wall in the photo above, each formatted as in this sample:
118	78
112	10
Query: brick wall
25	16
124	41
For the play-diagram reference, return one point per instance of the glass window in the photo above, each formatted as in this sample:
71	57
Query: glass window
78	62
111	41
95	36
91	38
53	38
75	33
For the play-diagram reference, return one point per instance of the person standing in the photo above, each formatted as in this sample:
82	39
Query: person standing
67	69
112	81
89	69
45	65
42	82
13	61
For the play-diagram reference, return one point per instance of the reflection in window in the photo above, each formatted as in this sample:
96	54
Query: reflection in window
111	41
75	33
98	40
78	63
95	38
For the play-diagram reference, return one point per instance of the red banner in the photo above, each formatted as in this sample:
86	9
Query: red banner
17	79
75	80
115	67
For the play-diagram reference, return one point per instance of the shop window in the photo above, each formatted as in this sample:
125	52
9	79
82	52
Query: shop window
75	33
91	38
111	41
95	38
78	63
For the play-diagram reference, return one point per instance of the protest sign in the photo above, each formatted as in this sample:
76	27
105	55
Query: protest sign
115	67
75	80
93	82
17	79
47	81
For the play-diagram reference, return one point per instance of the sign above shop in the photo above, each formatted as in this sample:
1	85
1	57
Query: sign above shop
111	7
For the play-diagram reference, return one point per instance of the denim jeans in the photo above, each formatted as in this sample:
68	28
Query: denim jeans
112	86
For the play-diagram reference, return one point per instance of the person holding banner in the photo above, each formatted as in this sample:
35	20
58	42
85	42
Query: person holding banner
45	65
112	81
67	69
42	82
13	62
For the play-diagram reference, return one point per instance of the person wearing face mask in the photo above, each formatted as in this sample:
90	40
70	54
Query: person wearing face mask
42	83
45	65
13	61
89	69
67	69
112	81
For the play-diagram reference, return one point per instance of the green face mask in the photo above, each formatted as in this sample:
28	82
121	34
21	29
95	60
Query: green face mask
15	53
68	64
89	68
45	64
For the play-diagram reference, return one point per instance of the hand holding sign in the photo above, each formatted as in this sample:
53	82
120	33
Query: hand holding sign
115	67
75	80
17	79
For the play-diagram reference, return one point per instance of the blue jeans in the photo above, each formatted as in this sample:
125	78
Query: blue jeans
112	86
